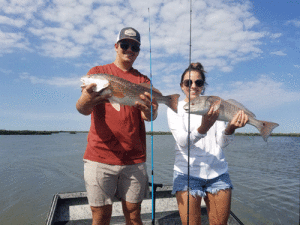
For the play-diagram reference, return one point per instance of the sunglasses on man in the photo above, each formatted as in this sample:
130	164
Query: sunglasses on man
134	47
188	83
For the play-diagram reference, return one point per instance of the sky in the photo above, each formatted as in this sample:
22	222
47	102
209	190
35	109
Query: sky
250	50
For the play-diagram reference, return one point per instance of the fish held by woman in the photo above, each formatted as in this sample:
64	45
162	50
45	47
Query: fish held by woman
227	109
124	92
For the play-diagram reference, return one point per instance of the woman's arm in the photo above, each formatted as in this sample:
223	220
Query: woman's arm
223	138
179	131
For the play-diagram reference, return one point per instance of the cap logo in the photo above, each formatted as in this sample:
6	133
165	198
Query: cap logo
130	32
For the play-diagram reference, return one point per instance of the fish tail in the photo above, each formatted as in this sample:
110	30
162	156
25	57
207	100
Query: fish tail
265	128
172	101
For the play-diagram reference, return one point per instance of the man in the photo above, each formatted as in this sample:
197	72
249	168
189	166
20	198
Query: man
114	160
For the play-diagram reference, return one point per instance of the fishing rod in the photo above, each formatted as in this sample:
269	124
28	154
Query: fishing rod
189	117
152	164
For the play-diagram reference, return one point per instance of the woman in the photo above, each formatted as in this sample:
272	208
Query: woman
209	178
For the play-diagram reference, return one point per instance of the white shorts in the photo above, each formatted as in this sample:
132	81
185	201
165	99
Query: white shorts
103	182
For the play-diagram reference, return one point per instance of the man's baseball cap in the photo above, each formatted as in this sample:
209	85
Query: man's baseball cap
129	33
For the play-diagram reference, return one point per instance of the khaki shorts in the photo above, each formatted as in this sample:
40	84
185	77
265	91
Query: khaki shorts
103	182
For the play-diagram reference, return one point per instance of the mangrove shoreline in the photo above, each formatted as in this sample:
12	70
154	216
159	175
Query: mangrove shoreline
32	132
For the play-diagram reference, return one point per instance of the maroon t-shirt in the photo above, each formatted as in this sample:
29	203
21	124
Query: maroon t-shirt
117	137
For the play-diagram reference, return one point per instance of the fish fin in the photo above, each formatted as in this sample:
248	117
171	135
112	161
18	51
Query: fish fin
172	101
265	128
148	86
241	106
115	104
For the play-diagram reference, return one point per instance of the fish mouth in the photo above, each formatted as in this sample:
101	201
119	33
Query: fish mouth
186	107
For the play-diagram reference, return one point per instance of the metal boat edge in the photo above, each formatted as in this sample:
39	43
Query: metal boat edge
72	208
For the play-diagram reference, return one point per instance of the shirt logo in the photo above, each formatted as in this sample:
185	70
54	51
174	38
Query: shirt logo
130	32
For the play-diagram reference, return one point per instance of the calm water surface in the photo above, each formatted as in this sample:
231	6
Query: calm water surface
33	168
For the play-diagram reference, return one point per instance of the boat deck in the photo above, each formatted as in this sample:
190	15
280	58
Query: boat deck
73	208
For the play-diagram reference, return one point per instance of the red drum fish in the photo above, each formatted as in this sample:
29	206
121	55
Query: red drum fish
228	109
124	92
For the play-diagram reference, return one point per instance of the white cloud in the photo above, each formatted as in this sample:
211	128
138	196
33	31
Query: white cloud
222	33
262	93
11	41
12	22
53	81
276	35
279	53
26	8
63	49
67	12
297	66
294	22
6	72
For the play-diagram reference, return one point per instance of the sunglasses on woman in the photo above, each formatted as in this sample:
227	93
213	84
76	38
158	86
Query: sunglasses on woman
134	47
188	83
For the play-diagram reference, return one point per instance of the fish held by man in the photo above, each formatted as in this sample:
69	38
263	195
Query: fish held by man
125	92
227	110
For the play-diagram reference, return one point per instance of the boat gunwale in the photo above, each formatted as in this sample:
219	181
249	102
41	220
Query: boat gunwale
161	192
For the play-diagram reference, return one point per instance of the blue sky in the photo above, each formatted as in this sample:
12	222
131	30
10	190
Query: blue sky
250	50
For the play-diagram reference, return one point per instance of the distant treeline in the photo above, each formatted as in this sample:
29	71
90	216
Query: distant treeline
32	132
273	134
24	132
236	134
158	133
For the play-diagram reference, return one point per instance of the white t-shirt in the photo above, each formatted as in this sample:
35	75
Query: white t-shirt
207	160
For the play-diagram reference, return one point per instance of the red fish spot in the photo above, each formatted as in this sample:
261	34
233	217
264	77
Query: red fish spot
119	94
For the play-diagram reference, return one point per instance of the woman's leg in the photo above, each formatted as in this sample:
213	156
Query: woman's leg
218	206
194	208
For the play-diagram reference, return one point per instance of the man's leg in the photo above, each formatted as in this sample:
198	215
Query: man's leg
132	188
132	213
101	182
101	215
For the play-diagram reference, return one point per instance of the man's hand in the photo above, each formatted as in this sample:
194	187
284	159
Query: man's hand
146	107
89	99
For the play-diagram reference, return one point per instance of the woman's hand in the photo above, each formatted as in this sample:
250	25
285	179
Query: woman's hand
239	120
208	120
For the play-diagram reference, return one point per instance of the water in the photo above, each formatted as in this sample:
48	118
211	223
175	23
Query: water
33	168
